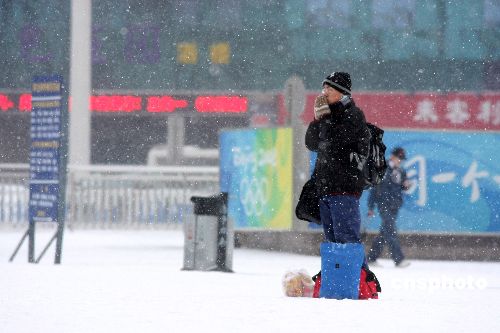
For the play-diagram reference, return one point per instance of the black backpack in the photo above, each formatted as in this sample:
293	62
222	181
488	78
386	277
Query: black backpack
375	166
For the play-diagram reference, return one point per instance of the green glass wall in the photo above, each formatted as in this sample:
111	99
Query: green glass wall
385	44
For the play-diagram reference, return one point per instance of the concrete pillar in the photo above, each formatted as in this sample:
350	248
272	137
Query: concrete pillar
175	139
295	100
80	82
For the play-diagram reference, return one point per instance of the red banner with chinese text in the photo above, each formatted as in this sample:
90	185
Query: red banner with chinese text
396	110
454	111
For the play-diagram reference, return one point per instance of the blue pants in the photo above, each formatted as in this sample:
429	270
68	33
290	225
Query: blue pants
341	218
388	235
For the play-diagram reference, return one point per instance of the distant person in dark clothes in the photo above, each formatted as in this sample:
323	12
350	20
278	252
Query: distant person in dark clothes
388	197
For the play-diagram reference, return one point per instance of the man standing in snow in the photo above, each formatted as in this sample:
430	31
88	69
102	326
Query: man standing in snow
388	196
340	137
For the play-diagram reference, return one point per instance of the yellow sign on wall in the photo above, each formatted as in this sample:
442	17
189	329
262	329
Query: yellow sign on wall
187	53
220	53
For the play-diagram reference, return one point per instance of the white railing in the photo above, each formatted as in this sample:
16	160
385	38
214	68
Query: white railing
14	194
104	196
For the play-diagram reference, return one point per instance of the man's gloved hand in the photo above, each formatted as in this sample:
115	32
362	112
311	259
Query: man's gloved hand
321	107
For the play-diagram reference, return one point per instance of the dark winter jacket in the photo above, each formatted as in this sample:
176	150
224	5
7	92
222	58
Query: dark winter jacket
339	138
388	195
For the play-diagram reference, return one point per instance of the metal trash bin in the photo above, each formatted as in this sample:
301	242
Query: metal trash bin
209	237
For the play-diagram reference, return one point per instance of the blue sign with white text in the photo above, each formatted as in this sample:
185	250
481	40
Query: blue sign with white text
455	182
44	150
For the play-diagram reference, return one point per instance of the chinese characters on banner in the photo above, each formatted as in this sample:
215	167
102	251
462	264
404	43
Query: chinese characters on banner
452	142
455	180
454	111
418	176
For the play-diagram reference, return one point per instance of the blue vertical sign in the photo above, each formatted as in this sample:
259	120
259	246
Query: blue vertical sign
44	150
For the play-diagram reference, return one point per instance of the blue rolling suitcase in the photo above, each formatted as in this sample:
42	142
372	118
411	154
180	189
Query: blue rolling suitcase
340	270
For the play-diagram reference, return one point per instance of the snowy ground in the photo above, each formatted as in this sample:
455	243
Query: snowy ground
131	281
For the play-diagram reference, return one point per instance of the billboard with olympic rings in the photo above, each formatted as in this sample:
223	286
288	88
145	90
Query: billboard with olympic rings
256	172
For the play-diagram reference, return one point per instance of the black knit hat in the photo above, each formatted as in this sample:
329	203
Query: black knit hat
399	153
340	81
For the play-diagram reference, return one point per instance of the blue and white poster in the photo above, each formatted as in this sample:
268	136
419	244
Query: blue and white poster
256	172
456	182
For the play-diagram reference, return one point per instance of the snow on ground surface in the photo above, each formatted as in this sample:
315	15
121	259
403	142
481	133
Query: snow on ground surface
131	281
